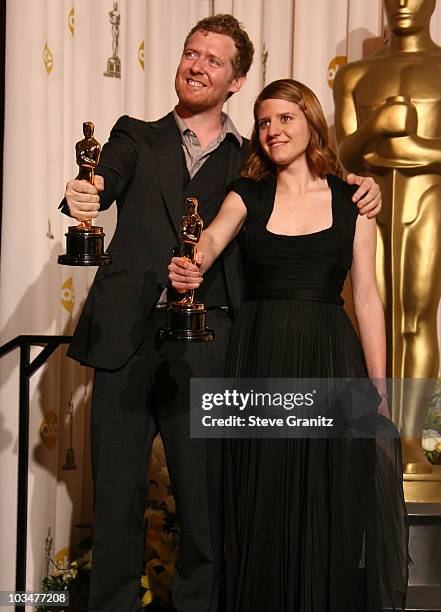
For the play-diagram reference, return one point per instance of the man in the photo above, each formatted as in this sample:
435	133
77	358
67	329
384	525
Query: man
142	385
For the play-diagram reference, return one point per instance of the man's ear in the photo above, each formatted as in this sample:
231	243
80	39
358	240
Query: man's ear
236	84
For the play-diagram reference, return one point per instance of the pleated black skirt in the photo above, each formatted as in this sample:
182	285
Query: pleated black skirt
312	525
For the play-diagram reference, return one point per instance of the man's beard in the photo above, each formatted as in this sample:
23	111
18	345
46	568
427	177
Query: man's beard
198	103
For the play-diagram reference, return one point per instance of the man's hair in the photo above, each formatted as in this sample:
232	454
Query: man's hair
230	26
320	152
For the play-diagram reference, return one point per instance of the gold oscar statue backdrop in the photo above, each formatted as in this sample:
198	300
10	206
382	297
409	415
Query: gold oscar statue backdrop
70	61
388	124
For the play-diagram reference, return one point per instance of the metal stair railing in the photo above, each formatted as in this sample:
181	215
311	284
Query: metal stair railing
27	369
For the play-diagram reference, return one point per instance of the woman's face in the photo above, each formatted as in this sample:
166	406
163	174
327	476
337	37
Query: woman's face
283	131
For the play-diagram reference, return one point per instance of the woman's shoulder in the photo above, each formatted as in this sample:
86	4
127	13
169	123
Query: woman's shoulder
249	189
342	194
341	186
244	182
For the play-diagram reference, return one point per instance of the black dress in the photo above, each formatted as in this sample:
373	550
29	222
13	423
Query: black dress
312	525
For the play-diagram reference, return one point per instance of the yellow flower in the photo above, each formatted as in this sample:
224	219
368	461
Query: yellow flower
147	598
145	581
148	595
160	577
69	575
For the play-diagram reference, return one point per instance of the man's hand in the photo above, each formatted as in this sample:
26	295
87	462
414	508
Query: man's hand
368	195
83	199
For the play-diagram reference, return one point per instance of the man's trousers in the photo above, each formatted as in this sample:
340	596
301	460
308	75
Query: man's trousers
130	405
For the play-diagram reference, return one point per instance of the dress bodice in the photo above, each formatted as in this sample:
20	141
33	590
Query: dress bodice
308	266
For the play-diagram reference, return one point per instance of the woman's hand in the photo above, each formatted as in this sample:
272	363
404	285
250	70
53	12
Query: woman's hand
383	408
184	275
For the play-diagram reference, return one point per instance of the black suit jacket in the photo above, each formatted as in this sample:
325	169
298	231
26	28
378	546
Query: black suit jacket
142	166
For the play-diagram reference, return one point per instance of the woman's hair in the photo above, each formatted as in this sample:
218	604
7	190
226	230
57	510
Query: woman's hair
320	152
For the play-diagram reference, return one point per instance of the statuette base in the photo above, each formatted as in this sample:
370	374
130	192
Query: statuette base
423	488
113	67
85	247
186	322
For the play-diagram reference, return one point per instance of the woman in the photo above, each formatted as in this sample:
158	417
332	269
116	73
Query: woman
312	525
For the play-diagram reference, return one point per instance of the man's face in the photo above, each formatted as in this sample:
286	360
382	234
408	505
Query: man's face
204	76
409	16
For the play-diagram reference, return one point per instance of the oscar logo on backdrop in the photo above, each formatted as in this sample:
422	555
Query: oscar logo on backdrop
388	124
334	66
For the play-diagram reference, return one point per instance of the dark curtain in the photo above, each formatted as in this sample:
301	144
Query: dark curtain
2	97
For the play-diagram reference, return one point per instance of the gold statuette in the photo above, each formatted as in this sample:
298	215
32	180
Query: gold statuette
85	242
388	125
186	318
114	63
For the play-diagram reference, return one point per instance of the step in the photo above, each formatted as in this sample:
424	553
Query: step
424	594
424	514
424	599
425	544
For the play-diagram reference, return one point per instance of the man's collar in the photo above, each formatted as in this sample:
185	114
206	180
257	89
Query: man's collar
228	126
182	126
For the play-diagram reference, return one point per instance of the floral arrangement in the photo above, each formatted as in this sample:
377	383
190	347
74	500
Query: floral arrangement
161	549
72	577
432	432
432	446
162	533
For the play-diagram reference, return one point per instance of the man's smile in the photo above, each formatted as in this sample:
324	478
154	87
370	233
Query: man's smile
194	83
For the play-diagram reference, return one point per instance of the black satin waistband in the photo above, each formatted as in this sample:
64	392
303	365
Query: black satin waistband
261	293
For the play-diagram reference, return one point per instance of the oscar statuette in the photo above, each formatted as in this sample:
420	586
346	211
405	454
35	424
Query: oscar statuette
114	63
186	318
85	242
387	125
